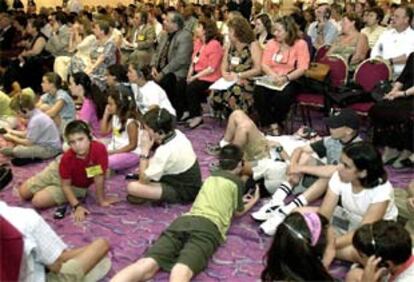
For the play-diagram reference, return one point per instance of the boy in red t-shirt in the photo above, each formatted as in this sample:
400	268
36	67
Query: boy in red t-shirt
68	179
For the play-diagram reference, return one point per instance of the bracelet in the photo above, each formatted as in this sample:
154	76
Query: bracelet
76	206
238	76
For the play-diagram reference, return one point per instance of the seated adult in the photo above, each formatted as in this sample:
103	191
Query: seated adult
34	54
79	47
172	174
187	245
58	42
285	59
302	250
241	62
140	41
322	31
102	55
366	195
46	257
373	29
204	70
396	44
351	45
385	252
172	59
9	36
263	29
393	120
66	179
41	139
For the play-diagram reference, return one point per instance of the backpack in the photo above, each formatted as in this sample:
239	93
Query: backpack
6	175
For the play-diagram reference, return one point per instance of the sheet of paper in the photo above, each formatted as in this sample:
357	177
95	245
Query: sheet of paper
222	84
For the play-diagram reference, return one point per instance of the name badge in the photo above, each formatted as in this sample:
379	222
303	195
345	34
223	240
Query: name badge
141	37
196	59
277	57
93	171
235	61
115	132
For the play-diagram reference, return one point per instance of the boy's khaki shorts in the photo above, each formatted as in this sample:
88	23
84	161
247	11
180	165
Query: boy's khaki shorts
49	180
71	271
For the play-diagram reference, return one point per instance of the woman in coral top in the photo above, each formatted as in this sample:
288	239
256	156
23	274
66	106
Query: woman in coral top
205	68
285	59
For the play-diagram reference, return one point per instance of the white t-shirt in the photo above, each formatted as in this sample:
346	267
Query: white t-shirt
393	44
358	204
42	246
173	157
121	139
151	94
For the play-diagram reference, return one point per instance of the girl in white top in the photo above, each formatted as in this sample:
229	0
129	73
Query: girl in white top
365	193
148	94
121	118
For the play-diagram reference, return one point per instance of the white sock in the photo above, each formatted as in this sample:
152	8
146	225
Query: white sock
282	192
223	143
295	203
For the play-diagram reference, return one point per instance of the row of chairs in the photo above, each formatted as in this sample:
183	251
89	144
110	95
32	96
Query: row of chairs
366	76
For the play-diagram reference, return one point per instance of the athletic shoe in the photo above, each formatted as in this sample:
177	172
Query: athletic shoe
213	166
213	150
269	226
265	212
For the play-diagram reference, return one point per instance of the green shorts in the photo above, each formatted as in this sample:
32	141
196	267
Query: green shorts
49	180
190	240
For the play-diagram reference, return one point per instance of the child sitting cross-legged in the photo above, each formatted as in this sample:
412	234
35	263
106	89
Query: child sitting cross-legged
67	180
40	140
121	118
172	174
187	245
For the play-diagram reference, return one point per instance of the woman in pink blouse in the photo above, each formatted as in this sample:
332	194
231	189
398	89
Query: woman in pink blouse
205	68
285	59
94	101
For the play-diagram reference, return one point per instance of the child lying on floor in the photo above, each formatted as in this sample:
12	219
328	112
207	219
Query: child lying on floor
186	246
40	140
67	179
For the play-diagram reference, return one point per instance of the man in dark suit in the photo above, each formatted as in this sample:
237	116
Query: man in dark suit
172	59
7	32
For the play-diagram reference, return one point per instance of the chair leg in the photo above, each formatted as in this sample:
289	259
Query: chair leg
303	114
309	117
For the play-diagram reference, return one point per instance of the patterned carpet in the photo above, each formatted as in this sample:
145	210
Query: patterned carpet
131	229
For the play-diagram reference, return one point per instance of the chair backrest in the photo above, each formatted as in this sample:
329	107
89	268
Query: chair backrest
321	52
338	73
370	72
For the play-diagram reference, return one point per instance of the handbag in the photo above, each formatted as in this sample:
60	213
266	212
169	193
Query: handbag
380	90
6	175
317	71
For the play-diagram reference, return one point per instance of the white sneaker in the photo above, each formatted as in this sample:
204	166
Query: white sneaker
269	226
265	212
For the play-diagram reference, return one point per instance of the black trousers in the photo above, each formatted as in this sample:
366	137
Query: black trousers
393	123
273	106
175	89
196	94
